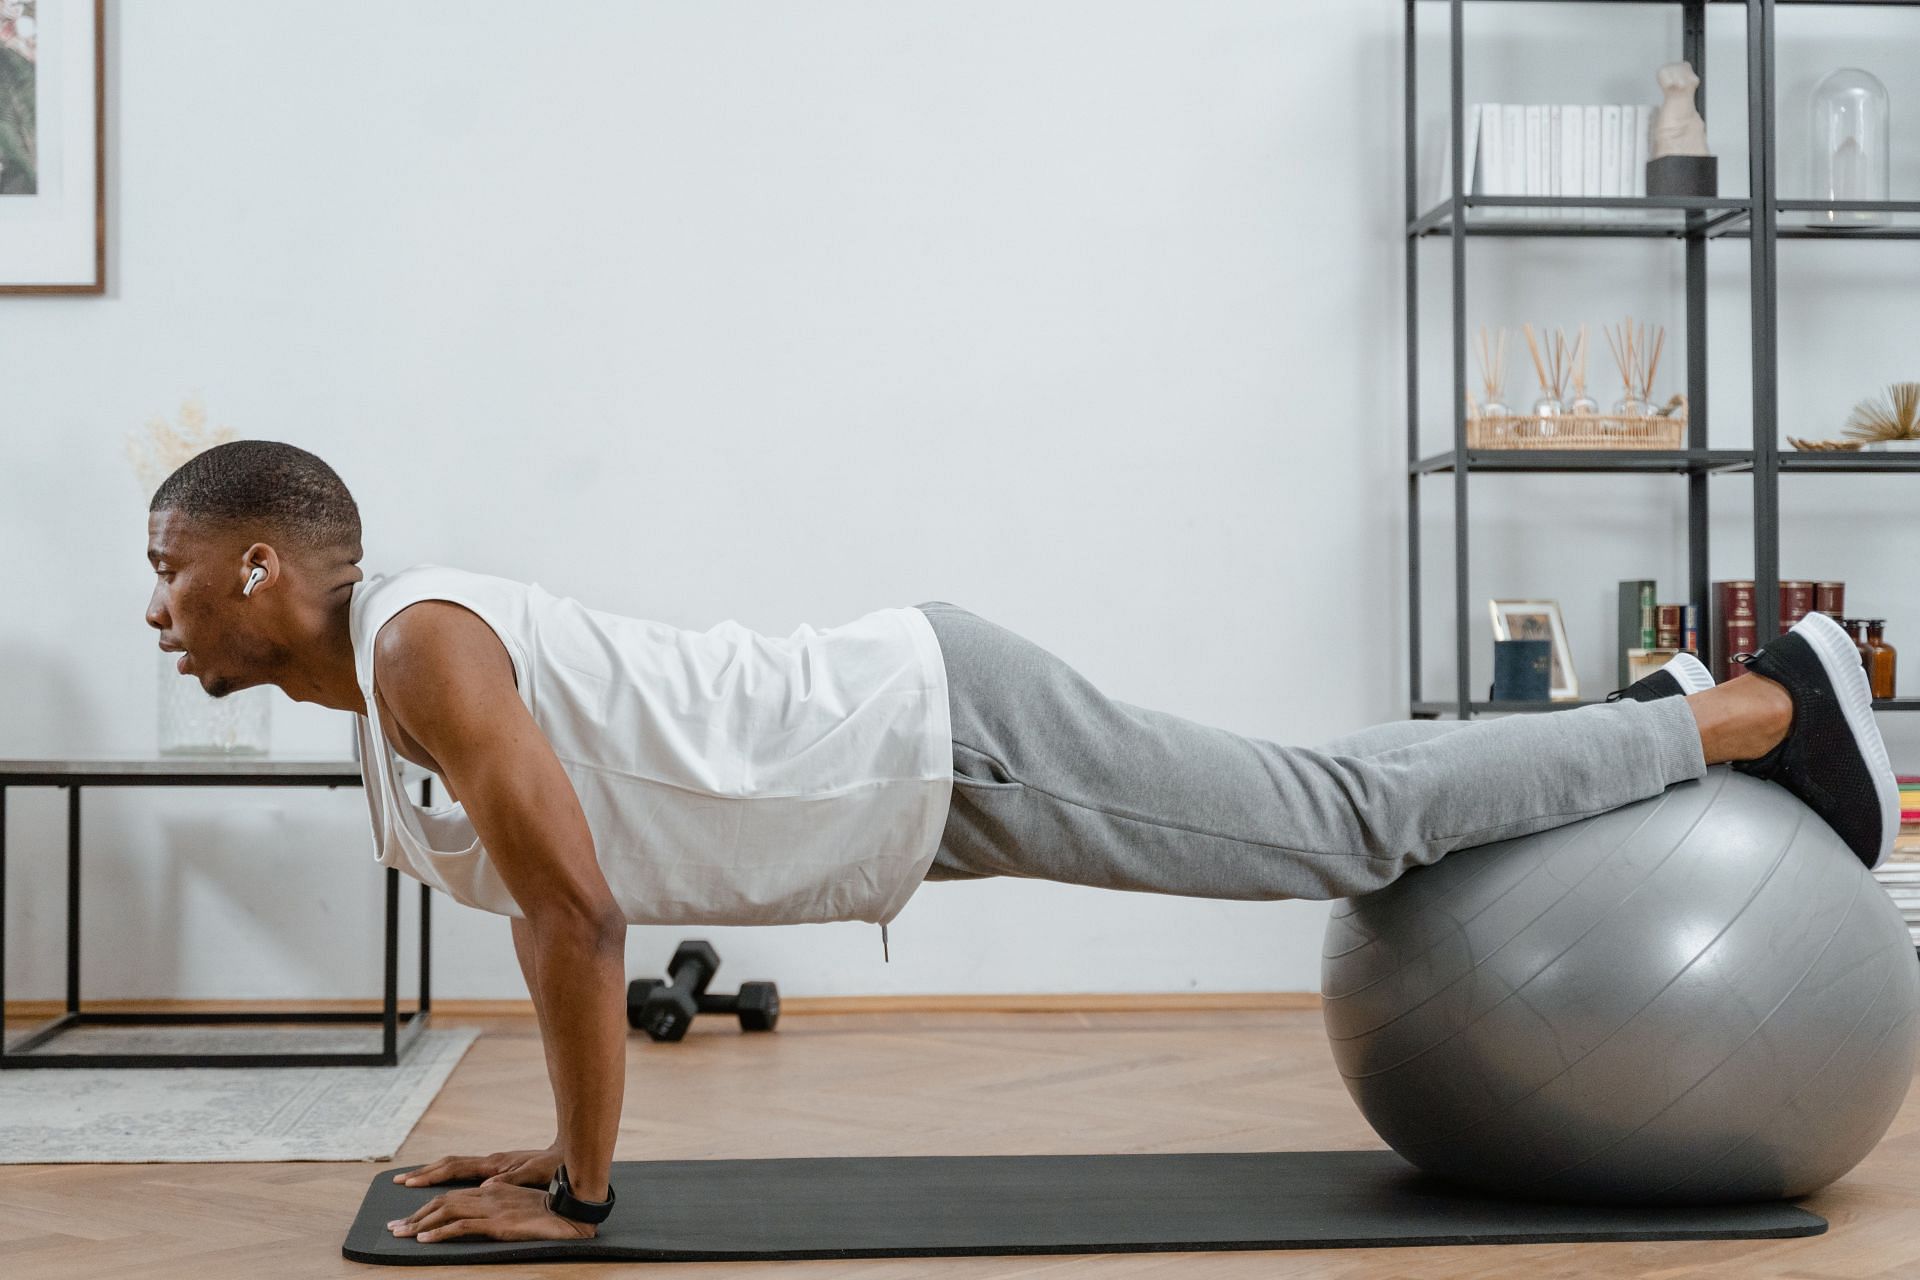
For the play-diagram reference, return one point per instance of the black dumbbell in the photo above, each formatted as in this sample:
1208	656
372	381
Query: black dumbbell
664	1008
757	1005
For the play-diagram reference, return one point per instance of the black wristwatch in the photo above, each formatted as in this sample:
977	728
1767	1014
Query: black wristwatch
561	1200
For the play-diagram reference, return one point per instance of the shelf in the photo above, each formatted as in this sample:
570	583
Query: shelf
1673	217
1670	461
1757	222
1807	220
1851	463
1431	708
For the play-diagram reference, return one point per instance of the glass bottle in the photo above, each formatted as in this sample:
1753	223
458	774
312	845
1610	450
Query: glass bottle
1880	674
1856	628
1545	410
1850	149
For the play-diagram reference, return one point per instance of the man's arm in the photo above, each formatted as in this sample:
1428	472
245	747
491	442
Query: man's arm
444	676
529	967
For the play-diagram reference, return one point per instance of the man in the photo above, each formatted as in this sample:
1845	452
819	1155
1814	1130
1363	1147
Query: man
605	770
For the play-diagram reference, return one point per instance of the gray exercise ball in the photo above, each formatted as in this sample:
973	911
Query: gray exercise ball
1700	998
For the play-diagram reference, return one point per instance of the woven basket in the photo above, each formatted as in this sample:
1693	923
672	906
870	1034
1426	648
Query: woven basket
1579	431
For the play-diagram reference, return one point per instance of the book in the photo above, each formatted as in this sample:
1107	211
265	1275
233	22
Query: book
1470	145
1590	150
1690	628
1609	151
1666	626
1493	174
1571	118
1625	177
1635	627
1735	627
1796	602
1534	142
1550	149
1513	120
1642	663
1642	140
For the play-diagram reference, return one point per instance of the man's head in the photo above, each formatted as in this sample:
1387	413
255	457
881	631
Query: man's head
251	509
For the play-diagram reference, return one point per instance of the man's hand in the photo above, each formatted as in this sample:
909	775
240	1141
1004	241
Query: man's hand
524	1168
496	1211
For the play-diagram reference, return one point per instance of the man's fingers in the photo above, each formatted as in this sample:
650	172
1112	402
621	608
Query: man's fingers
456	1227
427	1174
432	1206
421	1223
450	1169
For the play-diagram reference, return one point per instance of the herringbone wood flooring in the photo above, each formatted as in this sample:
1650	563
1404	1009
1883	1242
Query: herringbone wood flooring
883	1084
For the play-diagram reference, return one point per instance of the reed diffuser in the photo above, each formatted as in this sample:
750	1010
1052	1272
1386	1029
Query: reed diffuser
1552	366
1582	404
1493	374
1636	353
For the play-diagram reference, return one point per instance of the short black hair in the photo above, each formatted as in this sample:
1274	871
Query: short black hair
264	482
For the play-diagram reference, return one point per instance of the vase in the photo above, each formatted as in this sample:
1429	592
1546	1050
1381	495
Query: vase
190	722
1850	149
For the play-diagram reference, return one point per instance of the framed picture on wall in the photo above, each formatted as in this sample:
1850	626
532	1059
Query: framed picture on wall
1539	620
52	162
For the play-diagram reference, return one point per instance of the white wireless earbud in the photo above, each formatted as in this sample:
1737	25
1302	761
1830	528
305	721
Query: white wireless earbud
254	579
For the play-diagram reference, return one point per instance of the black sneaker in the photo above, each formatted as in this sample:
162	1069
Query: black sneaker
1683	674
1832	757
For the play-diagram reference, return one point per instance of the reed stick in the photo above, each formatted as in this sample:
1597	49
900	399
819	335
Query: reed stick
1653	364
1534	347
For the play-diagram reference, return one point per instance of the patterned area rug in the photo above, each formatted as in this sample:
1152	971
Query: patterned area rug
102	1115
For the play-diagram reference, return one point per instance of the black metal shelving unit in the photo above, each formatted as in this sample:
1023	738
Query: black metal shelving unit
1696	223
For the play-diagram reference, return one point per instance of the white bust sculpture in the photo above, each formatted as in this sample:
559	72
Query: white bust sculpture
1678	129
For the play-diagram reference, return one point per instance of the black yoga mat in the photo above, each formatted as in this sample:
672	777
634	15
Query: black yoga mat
934	1206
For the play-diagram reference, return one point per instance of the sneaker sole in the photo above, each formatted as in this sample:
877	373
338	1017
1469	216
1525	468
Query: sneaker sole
1691	674
1841	658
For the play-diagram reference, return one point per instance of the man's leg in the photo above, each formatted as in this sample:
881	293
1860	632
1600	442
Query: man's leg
1054	780
1391	736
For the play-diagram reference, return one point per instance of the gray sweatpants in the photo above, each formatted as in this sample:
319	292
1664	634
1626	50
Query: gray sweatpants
1054	780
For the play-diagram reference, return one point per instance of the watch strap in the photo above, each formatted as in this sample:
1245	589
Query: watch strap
561	1200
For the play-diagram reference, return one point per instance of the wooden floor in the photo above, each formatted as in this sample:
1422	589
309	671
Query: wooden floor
882	1084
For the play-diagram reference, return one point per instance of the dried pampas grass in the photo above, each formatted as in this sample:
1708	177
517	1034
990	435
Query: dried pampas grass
161	447
1892	415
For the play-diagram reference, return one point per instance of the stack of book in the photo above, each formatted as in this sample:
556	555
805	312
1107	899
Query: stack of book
1651	633
1899	875
1736	623
1568	150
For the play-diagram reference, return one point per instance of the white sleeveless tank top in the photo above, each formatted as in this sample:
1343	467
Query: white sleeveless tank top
727	777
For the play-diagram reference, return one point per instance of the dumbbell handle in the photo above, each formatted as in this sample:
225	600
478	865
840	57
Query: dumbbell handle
690	975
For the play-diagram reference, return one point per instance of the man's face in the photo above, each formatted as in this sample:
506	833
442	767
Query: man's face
197	605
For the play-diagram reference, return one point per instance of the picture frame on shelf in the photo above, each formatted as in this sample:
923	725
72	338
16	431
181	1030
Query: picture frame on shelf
1539	620
52	153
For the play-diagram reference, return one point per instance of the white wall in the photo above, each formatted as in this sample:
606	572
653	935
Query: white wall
1086	316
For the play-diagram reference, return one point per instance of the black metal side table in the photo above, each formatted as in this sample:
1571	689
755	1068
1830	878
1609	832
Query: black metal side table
201	771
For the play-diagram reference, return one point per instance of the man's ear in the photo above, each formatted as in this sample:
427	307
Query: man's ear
261	556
